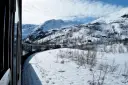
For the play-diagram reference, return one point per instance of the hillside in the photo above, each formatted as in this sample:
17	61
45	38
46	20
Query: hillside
113	27
41	31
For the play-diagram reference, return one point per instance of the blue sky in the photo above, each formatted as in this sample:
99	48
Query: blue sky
39	11
123	3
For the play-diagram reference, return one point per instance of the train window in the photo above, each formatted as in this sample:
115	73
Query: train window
75	42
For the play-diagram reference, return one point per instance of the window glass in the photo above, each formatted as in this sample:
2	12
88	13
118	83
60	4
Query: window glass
77	42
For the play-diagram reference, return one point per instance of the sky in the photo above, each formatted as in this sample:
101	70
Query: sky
39	11
123	3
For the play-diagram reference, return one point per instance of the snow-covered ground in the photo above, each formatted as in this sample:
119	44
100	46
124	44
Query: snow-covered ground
6	78
69	67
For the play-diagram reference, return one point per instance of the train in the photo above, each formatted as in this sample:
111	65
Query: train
10	43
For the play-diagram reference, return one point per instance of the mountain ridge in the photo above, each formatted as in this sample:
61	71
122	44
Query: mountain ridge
102	30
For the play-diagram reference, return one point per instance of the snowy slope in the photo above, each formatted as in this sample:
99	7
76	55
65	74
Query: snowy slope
62	67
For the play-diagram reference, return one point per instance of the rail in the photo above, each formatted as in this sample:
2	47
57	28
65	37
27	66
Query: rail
29	49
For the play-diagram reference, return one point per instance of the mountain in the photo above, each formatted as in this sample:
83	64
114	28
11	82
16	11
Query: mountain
27	29
105	29
52	24
42	30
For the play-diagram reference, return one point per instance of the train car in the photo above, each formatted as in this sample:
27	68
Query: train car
10	43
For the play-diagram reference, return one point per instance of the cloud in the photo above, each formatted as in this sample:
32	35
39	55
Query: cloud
38	11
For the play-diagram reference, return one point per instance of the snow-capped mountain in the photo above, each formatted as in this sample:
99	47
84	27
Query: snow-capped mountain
42	30
109	28
52	24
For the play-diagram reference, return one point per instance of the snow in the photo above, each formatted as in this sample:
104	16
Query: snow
74	31
6	78
46	68
52	71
